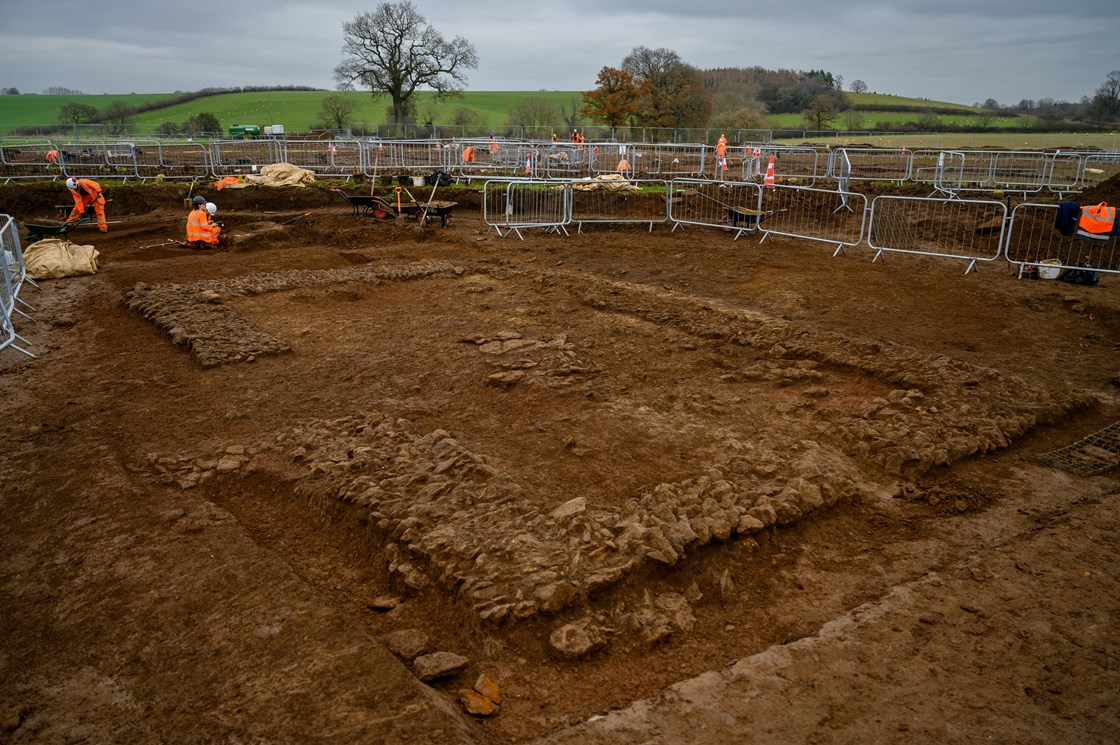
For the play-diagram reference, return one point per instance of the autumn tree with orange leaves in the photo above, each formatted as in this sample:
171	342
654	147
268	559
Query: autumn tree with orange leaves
614	101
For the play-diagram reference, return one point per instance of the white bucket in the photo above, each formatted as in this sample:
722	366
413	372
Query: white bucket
418	181
1049	269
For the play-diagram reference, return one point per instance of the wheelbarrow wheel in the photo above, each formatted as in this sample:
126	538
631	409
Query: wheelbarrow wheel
444	220
380	213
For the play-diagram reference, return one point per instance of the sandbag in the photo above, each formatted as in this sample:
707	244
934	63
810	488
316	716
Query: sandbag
53	258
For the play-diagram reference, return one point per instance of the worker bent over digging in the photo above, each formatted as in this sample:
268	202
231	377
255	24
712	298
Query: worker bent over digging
87	193
202	231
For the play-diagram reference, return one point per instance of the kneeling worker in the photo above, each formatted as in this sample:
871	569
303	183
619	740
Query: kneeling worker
202	231
87	193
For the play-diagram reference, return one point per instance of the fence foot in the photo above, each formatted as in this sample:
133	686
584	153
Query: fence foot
877	255
839	250
765	235
971	266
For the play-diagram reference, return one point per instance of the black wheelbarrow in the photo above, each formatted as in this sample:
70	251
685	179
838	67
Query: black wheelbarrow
47	229
359	203
424	212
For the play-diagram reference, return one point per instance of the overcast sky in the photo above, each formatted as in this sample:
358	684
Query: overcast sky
953	50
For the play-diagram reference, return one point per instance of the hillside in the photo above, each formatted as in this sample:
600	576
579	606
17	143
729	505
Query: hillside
300	110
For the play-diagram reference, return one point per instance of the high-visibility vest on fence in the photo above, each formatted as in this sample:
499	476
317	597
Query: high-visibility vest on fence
1099	219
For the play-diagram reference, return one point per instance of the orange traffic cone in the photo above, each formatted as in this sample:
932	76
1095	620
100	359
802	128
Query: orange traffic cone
528	164
769	180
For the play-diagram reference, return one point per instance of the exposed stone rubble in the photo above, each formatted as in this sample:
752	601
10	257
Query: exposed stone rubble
188	471
941	409
455	520
439	665
196	316
552	363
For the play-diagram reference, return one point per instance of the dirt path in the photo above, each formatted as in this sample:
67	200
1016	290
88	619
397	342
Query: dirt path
775	475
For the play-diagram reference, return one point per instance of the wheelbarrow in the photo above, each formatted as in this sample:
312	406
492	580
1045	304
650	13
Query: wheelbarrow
47	229
359	203
424	212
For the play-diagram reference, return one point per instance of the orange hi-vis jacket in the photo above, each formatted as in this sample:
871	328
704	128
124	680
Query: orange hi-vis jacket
88	194
468	154
201	228
1099	219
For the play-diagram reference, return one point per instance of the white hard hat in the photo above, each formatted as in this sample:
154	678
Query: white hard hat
212	208
71	183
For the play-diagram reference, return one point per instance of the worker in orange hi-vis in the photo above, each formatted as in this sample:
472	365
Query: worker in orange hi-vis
468	154
52	156
623	165
721	146
87	193
493	144
202	231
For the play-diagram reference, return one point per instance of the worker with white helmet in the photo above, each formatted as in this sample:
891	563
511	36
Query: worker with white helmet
87	193
202	231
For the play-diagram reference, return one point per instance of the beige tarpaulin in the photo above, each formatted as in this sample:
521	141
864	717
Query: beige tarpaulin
611	181
277	174
52	258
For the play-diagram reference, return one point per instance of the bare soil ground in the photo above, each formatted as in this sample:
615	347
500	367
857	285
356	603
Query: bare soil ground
596	466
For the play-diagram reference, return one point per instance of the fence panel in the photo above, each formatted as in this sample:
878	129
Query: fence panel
619	202
971	230
185	160
238	157
1032	239
12	272
325	157
878	164
527	204
1022	171
1098	168
497	159
797	165
728	205
1064	171
565	160
27	160
835	217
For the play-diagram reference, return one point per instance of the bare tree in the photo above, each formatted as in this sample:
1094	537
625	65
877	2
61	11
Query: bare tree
858	86
672	92
117	116
1106	102
820	112
534	113
77	113
393	51
336	112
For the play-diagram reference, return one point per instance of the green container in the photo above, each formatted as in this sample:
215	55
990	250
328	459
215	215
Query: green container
244	131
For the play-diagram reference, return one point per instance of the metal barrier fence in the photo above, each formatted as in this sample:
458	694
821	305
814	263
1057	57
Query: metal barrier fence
1099	167
971	230
727	205
618	202
834	217
326	157
949	171
1033	240
524	204
875	164
13	273
801	164
238	157
27	160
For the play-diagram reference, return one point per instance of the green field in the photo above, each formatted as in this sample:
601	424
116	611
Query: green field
871	118
296	110
300	111
858	100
